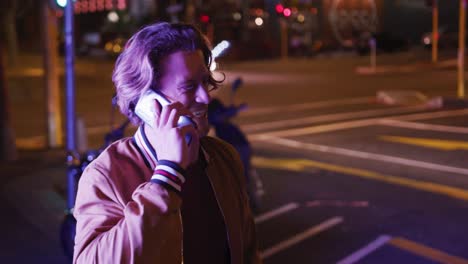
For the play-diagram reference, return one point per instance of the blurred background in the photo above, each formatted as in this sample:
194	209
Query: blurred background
355	111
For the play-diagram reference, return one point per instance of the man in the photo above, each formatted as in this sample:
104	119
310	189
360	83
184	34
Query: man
156	198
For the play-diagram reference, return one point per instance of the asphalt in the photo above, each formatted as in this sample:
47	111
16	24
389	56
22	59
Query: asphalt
32	207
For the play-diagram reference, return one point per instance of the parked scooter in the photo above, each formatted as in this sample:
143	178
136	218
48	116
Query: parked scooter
219	117
76	165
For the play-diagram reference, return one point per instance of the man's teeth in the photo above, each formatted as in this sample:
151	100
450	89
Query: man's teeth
199	113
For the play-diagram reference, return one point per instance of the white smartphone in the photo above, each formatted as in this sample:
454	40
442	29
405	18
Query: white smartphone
145	109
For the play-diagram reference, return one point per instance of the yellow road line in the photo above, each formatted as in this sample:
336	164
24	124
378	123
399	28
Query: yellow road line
426	252
302	164
428	142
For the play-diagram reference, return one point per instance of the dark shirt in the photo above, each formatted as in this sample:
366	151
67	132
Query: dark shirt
204	233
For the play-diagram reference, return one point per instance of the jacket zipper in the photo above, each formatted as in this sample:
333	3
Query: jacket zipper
182	239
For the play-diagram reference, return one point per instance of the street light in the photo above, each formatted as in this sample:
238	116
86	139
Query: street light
259	21
60	3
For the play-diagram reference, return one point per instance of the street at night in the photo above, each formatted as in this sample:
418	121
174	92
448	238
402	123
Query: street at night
355	112
345	176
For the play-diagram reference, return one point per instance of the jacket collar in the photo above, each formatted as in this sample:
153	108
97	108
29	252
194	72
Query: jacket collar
148	152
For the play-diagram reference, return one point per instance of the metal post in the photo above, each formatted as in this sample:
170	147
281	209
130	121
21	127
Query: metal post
49	39
461	51
72	157
284	38
435	30
7	138
373	53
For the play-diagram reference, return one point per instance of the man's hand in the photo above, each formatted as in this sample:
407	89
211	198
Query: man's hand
168	140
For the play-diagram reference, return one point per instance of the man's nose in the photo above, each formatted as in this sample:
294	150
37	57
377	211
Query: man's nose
202	95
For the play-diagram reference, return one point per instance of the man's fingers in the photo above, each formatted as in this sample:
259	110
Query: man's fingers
166	113
174	111
157	113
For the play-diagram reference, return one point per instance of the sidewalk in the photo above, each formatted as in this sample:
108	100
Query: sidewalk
407	68
33	202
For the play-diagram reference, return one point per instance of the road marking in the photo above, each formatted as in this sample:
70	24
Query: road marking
354	124
328	118
366	155
35	142
301	237
306	106
423	126
337	203
433	115
428	142
302	164
363	252
426	252
276	212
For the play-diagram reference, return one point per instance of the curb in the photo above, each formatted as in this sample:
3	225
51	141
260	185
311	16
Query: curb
449	102
400	97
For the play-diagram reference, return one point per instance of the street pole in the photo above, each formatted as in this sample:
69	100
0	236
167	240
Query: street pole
49	40
73	158
373	53
7	138
435	30
284	38
461	50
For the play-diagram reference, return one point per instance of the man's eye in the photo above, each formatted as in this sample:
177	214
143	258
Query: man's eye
189	87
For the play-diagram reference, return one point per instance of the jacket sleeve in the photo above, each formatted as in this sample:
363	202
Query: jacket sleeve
109	231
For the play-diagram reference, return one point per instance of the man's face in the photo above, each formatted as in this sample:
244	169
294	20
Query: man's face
185	79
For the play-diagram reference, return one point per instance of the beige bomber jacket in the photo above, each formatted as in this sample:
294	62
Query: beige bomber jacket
122	217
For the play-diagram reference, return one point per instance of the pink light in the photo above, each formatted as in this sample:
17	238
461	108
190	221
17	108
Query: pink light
121	4
109	4
287	12
77	7
92	5
279	8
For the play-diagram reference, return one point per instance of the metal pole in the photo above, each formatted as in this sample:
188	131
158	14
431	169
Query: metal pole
7	138
284	38
435	30
373	53
461	51
49	39
72	157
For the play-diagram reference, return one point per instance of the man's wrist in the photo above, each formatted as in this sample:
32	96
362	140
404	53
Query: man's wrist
170	175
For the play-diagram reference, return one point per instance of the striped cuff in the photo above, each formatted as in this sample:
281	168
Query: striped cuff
173	165
170	175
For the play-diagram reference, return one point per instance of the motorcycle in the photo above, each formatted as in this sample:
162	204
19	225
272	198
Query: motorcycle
220	118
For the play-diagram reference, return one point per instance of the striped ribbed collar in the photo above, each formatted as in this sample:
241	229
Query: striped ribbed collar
148	152
145	148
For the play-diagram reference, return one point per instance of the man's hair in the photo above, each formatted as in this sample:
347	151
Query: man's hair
137	69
